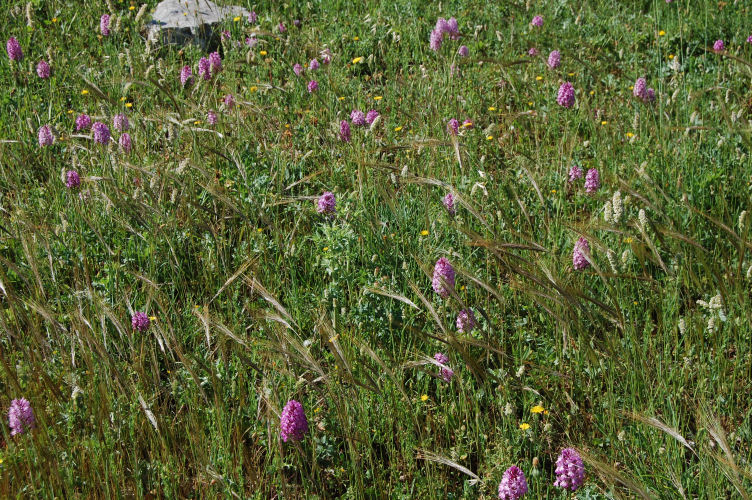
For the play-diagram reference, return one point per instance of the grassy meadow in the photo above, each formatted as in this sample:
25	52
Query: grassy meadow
637	353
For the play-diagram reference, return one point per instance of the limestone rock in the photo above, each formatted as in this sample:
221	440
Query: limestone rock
189	21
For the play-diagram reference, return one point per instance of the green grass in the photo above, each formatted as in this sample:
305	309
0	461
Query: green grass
258	299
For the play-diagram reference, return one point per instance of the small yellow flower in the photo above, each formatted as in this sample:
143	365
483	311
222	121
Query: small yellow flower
263	52
628	240
570	74
462	288
128	104
70	111
670	57
236	19
197	122
132	7
467	124
489	137
54	20
326	249
592	92
634	302
378	97
604	122
287	125
524	426
397	129
661	33
316	410
84	92
259	230
357	60
537	409
491	108
539	78
630	134
341	98
253	89
424	232
122	99
424	397
553	191
530	103
356	38
152	318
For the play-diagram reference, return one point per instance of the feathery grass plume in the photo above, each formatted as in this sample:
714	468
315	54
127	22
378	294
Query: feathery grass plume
443	277
570	471
513	484
45	136
29	15
446	372
618	207
141	12
20	416
565	96
581	250
293	424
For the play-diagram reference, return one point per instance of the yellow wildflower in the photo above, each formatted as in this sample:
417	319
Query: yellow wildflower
424	397
524	426
537	409
357	60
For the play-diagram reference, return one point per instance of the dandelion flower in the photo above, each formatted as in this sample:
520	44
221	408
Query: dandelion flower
13	48
20	416
581	250
45	136
293	424
513	484
446	372
443	277
140	321
326	204
570	471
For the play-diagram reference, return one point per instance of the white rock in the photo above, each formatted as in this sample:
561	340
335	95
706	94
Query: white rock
186	21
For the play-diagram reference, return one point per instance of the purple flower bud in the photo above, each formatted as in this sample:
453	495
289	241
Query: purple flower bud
313	65
226	35
463	51
592	180
449	204
83	122
326	204
215	61
204	68
344	131
296	23
719	46
120	122
581	249
537	21
14	49
252	17
371	116
650	95
313	86
211	117
125	142
435	40
251	41
640	89
358	117
749	39
140	321
453	126
443	277
297	69
570	471
101	133
513	484
565	97
554	59
326	56
446	372
72	180
466	321
104	24
575	173
20	416
281	28
532	52
186	75
43	69
45	136
229	101
293	424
